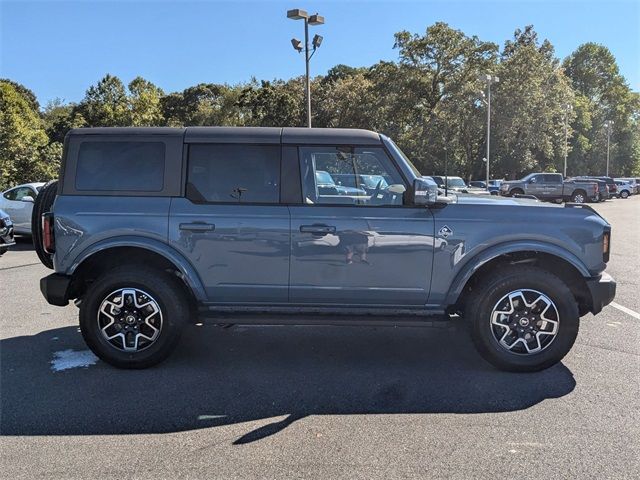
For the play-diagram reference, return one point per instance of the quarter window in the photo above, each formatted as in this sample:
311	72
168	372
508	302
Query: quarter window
234	173
349	176
121	166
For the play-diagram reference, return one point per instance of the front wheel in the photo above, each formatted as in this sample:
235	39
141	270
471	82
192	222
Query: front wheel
624	194
132	316
3	250
524	319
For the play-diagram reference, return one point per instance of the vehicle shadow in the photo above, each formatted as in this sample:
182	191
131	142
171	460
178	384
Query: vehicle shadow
227	376
23	244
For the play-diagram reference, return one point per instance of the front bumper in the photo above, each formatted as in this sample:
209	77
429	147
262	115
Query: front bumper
55	289
603	291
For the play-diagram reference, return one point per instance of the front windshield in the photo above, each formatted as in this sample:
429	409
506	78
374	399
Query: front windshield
455	182
406	159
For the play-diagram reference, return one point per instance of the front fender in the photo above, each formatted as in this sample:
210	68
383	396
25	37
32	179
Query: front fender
473	264
178	260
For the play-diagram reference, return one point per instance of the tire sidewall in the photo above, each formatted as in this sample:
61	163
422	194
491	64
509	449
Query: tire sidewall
544	283
172	306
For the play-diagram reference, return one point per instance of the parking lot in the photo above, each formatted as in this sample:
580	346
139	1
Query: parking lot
319	402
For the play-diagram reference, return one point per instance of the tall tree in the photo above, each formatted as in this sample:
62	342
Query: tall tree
603	95
145	108
105	104
22	140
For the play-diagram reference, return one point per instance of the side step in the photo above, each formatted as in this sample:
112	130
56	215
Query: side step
324	316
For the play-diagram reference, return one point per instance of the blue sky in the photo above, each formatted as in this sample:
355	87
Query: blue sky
59	48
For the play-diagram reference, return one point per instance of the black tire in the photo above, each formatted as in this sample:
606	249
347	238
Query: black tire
170	297
579	196
484	298
43	204
3	250
516	191
624	194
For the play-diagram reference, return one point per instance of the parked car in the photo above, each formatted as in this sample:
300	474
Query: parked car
633	184
551	187
613	188
494	185
146	226
478	184
18	203
454	184
603	188
6	232
625	189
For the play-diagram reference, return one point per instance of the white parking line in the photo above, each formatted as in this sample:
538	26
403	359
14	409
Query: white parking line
626	310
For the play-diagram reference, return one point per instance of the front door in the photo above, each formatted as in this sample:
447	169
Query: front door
231	226
20	209
355	244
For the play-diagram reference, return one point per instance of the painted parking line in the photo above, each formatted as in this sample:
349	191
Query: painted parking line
626	310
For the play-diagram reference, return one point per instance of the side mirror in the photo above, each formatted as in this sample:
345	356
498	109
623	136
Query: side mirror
425	191
533	180
28	198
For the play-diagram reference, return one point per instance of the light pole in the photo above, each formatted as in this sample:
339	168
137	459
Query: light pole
608	125
298	14
567	109
488	79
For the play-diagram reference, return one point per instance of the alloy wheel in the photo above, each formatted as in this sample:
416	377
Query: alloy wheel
130	319
525	322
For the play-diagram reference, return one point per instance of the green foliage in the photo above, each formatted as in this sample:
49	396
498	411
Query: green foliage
430	101
22	139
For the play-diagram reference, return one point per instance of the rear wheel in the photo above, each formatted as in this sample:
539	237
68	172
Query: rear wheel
43	204
132	316
579	197
524	319
3	250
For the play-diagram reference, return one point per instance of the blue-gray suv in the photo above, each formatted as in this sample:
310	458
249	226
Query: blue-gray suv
149	229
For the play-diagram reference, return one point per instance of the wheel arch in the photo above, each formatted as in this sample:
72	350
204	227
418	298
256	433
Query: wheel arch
100	256
558	261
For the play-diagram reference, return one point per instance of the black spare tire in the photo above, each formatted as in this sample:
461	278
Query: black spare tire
43	204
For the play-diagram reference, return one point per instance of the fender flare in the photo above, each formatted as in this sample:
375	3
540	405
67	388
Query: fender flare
187	270
481	258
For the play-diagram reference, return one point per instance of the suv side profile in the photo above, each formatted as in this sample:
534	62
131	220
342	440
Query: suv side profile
149	229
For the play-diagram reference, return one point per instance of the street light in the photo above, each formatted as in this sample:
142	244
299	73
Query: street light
567	108
488	80
298	14
608	125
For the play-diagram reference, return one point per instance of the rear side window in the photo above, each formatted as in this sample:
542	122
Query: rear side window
234	173
121	166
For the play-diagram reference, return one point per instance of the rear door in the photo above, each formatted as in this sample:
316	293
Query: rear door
553	185
360	249
230	224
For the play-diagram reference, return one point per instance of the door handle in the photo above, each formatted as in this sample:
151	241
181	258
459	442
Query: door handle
318	229
198	227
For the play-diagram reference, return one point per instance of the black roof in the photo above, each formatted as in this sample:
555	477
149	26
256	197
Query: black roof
285	135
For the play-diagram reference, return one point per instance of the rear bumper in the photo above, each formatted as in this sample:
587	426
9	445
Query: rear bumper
603	291
55	289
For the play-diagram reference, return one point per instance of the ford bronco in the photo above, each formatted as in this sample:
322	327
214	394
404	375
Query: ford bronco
149	229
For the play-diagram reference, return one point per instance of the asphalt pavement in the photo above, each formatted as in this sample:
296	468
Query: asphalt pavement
319	402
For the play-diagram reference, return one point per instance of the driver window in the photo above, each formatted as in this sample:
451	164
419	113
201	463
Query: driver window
350	176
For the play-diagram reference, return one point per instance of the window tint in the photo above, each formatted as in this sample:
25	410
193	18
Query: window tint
234	173
552	178
347	176
121	166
